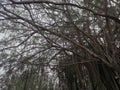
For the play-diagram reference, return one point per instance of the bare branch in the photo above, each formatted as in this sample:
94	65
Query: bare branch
69	4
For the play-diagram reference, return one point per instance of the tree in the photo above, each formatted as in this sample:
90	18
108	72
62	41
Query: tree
64	45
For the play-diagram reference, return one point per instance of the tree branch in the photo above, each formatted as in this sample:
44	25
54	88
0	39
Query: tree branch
69	4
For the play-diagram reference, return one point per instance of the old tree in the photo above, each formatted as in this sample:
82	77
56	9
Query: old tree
60	44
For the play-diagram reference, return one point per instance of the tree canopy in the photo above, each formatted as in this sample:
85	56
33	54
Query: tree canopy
60	44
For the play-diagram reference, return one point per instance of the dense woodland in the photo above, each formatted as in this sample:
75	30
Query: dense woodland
60	44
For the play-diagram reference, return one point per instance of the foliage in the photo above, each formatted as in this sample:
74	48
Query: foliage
60	45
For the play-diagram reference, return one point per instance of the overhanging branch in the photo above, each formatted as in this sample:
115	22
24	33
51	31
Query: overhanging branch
69	4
